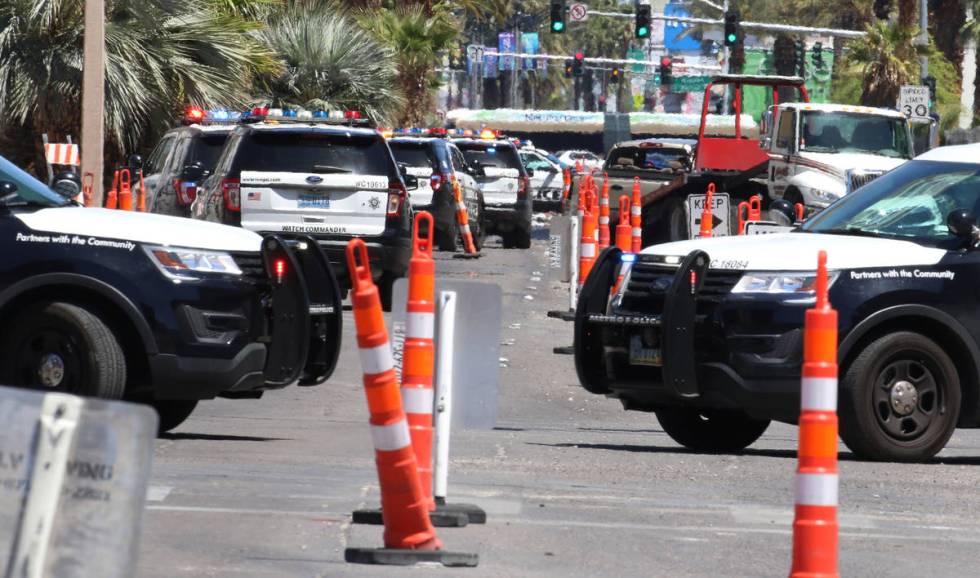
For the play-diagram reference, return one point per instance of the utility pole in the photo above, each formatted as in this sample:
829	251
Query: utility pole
93	96
923	39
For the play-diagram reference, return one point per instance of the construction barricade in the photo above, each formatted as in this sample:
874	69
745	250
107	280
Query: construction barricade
815	529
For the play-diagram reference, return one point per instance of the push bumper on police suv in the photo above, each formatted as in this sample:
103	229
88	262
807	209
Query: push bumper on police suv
676	336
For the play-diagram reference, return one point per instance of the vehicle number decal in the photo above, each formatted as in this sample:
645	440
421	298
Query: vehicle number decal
730	264
373	184
313	201
332	229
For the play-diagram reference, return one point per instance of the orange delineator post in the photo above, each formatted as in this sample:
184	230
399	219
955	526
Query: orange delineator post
141	195
403	506
567	177
750	210
623	232
419	351
111	197
604	213
88	181
463	219
587	250
707	221
125	191
636	215
815	528
800	211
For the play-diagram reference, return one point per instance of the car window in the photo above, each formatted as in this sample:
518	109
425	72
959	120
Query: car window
206	149
459	163
784	136
413	154
314	152
154	163
536	162
179	155
491	155
223	166
832	132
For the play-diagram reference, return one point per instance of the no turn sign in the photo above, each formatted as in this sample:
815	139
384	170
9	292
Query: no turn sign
914	101
578	12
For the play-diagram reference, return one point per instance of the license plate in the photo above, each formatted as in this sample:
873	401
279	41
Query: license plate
640	355
313	202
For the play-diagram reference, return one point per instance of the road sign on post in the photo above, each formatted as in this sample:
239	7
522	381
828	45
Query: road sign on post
914	101
578	12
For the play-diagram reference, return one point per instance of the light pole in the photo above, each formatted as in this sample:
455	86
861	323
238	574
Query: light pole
93	96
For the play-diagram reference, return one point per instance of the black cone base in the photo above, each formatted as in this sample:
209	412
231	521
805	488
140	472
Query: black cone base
476	255
566	350
563	315
439	519
395	557
474	514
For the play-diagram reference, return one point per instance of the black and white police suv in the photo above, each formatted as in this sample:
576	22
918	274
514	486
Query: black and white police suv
436	163
321	174
708	333
506	188
156	309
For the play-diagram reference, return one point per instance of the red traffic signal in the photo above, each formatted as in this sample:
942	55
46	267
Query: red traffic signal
579	56
665	61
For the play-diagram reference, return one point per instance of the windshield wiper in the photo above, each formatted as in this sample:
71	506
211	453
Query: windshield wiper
329	169
856	231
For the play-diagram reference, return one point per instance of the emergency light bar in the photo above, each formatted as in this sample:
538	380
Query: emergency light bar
284	115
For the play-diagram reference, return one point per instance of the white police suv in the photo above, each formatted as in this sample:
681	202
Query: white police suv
153	308
708	333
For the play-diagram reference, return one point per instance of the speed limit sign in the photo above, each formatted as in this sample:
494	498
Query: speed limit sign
913	101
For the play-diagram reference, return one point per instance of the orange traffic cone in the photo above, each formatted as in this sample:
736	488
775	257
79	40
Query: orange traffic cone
125	191
636	215
800	211
587	249
111	197
816	488
750	210
623	232
604	213
403	505
88	182
419	352
463	220
707	223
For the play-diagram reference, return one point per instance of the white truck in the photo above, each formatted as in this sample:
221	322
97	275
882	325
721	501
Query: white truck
820	152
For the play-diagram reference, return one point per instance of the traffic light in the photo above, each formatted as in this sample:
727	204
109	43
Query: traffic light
642	21
930	81
800	51
666	71
818	54
569	68
578	65
558	17
731	27
614	75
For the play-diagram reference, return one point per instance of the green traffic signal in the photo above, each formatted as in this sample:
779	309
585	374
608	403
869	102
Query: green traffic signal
557	26
642	32
731	38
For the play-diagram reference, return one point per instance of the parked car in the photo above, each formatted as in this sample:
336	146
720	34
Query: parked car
505	185
547	178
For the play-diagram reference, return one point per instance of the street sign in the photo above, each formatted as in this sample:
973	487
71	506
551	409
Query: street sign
914	101
720	214
766	228
578	12
690	83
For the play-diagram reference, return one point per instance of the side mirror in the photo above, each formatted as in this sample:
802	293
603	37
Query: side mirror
67	184
7	190
963	223
765	122
403	169
530	172
192	173
135	161
782	211
477	169
411	181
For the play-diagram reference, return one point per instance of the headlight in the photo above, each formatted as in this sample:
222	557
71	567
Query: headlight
781	282
825	196
175	262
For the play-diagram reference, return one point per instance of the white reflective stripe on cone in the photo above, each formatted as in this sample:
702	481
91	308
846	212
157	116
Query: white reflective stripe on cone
376	360
420	325
466	229
417	399
603	220
391	437
637	232
816	489
634	210
588	249
819	394
603	200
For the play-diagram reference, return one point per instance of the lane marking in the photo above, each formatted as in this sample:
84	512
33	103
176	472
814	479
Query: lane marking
158	493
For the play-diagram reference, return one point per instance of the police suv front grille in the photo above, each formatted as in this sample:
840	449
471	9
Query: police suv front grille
649	282
856	179
251	265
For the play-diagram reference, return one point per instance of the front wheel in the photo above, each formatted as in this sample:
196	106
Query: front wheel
711	430
522	238
900	399
63	347
173	412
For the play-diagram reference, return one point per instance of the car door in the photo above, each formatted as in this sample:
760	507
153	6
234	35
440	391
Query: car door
154	165
783	147
161	195
468	185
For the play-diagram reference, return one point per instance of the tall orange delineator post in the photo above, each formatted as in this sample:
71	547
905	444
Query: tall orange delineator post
816	487
125	190
141	195
408	534
750	210
463	220
800	211
604	213
636	216
707	222
587	249
111	197
624	234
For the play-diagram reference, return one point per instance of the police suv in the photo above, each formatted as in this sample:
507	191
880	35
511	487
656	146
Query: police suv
327	175
153	308
708	333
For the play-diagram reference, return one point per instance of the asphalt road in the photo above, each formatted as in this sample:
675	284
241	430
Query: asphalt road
573	485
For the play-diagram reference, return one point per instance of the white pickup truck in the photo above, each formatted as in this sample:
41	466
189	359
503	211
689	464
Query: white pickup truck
820	152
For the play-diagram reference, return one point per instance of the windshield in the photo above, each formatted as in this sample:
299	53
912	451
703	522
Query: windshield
855	132
413	155
491	155
910	202
30	191
314	152
535	162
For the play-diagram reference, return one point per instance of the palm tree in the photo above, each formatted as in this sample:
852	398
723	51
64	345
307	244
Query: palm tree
329	63
160	55
418	42
971	29
887	58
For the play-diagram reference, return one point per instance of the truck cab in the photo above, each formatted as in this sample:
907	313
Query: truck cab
821	152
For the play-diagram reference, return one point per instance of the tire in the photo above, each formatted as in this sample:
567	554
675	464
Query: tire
711	430
448	240
878	424
507	240
173	412
63	347
386	290
521	239
794	196
675	221
480	230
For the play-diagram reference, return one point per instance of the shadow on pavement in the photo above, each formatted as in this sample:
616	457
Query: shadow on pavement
218	437
844	456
